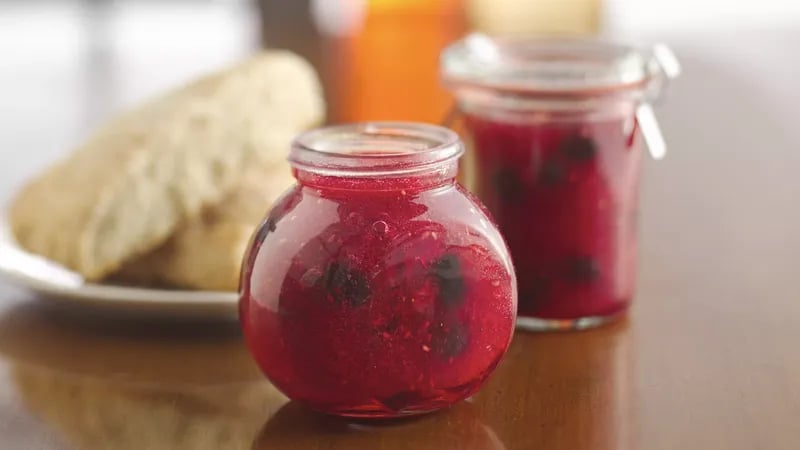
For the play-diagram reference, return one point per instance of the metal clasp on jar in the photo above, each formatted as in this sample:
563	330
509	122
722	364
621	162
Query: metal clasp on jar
665	66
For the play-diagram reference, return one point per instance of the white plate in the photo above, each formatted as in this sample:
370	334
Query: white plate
58	283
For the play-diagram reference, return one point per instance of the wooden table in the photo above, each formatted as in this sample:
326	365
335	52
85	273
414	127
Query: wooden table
708	358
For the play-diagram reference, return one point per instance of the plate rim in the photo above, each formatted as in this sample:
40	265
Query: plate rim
19	267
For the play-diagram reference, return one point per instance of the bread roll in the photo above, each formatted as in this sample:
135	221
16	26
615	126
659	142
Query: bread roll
127	189
207	252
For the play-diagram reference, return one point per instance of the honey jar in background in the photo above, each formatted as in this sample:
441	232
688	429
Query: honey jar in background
378	59
581	17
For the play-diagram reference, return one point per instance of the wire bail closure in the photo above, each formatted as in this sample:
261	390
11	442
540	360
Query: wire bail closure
667	67
524	71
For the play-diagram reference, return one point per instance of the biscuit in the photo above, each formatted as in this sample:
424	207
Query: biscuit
207	252
127	189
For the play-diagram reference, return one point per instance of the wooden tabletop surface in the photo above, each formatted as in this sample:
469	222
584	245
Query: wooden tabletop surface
708	358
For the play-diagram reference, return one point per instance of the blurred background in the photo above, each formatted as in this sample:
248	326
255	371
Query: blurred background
67	64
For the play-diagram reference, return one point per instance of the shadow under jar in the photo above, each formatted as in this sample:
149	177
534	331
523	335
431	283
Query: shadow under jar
556	128
377	286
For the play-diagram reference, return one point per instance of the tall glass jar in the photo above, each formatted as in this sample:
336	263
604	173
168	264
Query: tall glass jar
556	128
377	286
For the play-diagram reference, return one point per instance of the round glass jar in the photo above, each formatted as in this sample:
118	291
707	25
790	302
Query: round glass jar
555	128
377	286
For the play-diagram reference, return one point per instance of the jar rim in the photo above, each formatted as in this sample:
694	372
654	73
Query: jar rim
554	66
375	149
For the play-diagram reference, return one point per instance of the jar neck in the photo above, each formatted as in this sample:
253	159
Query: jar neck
380	156
556	76
503	107
563	73
417	182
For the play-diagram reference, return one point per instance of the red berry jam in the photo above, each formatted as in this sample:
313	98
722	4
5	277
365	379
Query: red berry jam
564	194
556	126
377	287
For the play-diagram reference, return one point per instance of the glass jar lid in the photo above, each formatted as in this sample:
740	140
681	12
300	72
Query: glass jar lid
554	66
520	72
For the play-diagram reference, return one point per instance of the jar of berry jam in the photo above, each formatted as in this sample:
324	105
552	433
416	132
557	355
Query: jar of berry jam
555	128
377	286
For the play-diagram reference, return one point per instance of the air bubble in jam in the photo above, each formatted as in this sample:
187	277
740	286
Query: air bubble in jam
380	227
392	303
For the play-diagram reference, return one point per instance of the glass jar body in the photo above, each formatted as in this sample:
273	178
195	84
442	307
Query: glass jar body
377	297
563	186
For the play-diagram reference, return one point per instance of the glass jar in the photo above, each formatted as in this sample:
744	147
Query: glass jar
377	286
556	128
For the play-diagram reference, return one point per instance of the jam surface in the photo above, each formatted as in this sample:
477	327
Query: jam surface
564	194
379	299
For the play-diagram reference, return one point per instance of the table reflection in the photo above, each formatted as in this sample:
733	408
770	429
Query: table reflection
459	427
101	383
565	391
